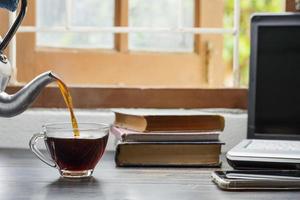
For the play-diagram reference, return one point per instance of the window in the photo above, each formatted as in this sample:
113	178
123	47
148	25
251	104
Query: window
152	55
167	60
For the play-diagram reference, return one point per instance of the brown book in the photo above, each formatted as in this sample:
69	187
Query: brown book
126	135
193	154
146	123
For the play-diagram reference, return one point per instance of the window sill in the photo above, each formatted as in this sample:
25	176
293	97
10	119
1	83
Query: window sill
125	97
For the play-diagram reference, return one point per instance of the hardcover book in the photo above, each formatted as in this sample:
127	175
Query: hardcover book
152	123
187	154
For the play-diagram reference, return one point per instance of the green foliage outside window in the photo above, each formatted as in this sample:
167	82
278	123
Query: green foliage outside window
248	7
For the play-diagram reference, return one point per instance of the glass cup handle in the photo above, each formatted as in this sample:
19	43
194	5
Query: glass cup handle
37	152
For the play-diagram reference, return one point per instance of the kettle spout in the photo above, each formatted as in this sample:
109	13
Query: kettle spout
12	105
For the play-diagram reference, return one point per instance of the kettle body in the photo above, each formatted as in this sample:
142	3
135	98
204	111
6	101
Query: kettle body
14	104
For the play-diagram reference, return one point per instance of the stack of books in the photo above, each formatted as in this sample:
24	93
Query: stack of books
167	140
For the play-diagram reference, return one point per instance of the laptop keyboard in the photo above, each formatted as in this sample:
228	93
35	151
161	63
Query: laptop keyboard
274	145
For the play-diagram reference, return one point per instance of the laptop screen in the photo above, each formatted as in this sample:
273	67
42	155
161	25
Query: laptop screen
277	92
274	88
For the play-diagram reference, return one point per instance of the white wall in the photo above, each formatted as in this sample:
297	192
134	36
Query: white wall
16	132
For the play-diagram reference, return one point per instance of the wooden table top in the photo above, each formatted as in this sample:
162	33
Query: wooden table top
23	176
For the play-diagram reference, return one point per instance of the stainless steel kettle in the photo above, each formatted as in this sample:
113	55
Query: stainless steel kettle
11	105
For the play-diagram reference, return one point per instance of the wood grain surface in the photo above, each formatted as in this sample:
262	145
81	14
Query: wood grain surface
113	97
23	176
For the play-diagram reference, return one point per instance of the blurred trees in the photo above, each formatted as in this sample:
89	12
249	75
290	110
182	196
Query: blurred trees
248	7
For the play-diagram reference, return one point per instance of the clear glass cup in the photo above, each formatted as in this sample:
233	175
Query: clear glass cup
73	156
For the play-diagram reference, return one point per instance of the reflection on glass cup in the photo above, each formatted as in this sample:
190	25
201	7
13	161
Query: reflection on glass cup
75	157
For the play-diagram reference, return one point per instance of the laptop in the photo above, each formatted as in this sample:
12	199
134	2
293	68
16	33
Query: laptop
273	135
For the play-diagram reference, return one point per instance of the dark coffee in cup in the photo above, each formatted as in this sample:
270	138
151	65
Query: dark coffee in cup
76	154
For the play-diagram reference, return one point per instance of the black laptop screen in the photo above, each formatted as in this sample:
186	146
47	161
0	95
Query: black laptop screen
277	107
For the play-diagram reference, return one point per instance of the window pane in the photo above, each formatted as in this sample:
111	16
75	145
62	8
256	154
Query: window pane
91	13
50	17
161	13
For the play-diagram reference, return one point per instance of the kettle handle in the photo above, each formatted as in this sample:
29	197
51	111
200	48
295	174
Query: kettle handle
9	35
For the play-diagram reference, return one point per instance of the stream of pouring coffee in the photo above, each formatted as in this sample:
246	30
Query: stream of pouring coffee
68	100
